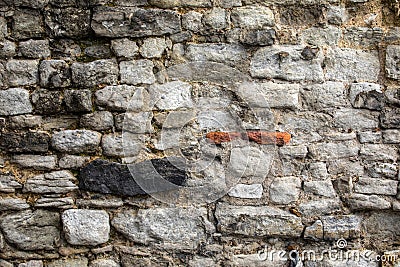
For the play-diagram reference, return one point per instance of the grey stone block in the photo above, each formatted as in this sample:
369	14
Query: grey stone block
35	49
123	97
171	96
36	162
76	141
104	71
137	72
59	182
252	17
14	101
22	72
68	22
54	74
86	227
78	100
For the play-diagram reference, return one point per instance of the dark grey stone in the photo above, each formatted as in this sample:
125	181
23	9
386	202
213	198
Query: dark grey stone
112	178
35	48
78	100
134	22
104	71
24	142
390	118
54	73
47	102
258	37
68	22
27	24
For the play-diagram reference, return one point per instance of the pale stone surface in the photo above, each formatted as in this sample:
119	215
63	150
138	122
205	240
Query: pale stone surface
86	227
14	101
181	228
172	95
76	141
137	72
257	221
285	190
122	97
58	182
246	191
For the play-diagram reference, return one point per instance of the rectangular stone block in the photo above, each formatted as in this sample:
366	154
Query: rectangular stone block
376	186
292	63
257	221
345	226
344	64
104	71
332	151
134	22
25	142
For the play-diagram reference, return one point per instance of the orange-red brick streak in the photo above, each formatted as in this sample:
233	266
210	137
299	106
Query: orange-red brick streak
260	137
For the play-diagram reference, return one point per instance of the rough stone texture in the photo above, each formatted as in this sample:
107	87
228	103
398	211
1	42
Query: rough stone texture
270	95
320	188
47	102
14	101
180	228
76	141
117	145
366	95
68	22
140	98
72	162
25	142
325	96
376	186
27	24
120	180
58	182
79	262
341	66
137	72
368	202
103	71
331	151
8	184
257	221
390	118
108	22
35	48
392	61
122	97
285	190
124	48
54	74
153	47
22	72
30	230
287	63
246	191
98	121
36	162
7	204
78	100
171	96
252	17
229	54
86	227
346	226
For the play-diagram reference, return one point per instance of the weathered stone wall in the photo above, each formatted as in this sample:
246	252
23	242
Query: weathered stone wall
100	99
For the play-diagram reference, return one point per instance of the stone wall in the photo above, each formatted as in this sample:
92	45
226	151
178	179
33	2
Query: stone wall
198	132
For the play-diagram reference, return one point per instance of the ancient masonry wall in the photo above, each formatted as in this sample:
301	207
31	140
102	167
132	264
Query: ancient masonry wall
101	98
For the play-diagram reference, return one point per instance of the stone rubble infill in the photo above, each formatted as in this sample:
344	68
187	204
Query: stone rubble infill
157	175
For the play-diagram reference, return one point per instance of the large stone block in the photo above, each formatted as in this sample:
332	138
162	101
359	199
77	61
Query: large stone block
230	54
68	22
134	22
120	181
104	71
32	230
253	17
86	227
76	141
329	95
54	74
137	72
344	64
36	162
285	190
332	151
27	24
122	98
171	96
257	221
14	101
174	228
25	142
292	63
22	72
